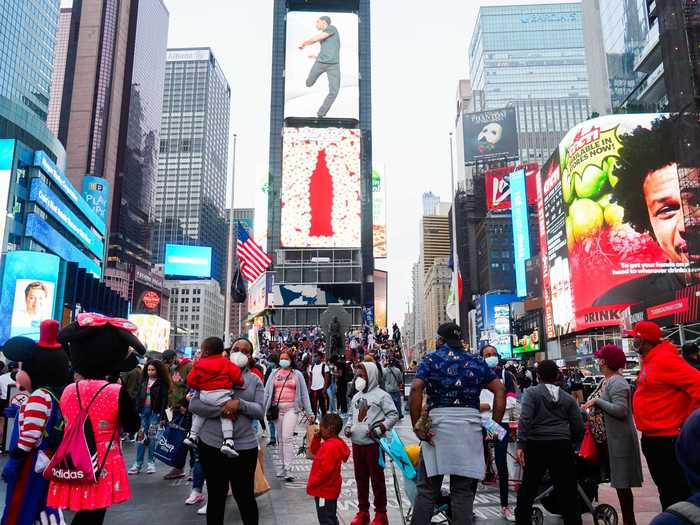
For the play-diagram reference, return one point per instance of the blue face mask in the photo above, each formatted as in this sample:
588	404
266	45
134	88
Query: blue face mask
492	361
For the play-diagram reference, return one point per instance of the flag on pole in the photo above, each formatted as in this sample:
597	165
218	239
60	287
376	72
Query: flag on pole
251	257
455	295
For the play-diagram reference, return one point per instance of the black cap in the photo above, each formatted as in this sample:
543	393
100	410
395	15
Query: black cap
450	332
169	355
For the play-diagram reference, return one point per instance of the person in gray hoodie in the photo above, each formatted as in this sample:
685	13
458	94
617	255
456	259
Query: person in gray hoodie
550	423
372	414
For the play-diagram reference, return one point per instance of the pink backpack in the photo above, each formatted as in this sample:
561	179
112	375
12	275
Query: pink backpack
75	459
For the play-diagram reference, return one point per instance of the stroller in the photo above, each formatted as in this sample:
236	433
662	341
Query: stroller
588	477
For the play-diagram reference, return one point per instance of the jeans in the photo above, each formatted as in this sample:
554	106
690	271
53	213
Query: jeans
332	71
501	453
185	421
396	396
366	463
148	418
328	514
273	431
330	393
660	453
428	490
557	456
238	473
197	472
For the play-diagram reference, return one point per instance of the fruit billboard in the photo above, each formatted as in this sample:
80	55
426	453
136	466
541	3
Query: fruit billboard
613	219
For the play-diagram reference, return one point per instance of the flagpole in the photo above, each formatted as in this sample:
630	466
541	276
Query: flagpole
455	259
229	257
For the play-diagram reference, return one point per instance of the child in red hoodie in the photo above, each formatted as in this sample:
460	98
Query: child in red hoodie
214	376
324	478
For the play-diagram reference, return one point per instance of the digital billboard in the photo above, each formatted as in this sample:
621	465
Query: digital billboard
500	337
615	221
259	293
490	135
152	331
381	289
521	229
7	157
187	261
321	72
379	215
498	191
321	206
96	194
147	296
28	292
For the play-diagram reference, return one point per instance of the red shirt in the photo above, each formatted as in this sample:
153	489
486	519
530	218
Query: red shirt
255	370
324	478
214	372
668	390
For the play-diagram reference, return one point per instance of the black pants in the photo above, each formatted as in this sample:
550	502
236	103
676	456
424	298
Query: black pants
319	401
660	453
89	517
220	472
328	514
557	457
341	394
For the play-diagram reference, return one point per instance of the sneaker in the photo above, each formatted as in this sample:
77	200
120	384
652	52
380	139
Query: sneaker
228	450
272	443
151	468
135	469
202	511
174	473
195	497
507	514
282	473
380	518
289	477
361	518
191	440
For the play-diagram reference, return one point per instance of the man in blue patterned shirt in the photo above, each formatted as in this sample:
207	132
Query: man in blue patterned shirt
452	444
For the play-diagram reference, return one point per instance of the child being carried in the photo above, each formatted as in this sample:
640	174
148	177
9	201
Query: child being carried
214	376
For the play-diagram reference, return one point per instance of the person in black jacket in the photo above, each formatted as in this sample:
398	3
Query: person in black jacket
151	403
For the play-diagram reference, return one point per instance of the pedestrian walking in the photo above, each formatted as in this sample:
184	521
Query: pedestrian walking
393	384
220	471
179	367
372	414
320	377
286	395
550	423
615	403
452	444
668	390
151	403
329	453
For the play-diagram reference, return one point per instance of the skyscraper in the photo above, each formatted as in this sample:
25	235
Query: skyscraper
59	69
194	134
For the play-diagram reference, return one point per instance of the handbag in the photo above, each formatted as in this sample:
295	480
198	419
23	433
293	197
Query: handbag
170	447
273	412
596	419
261	484
589	447
310	433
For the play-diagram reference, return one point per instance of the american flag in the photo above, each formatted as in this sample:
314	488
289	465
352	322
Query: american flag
251	257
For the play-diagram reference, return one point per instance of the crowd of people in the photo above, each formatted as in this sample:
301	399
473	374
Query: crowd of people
463	408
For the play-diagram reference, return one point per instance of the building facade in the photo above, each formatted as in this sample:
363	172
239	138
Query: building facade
192	165
434	240
437	290
418	313
196	311
59	69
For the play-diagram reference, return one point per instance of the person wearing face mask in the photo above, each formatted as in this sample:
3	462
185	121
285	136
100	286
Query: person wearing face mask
614	401
490	355
320	375
668	390
286	395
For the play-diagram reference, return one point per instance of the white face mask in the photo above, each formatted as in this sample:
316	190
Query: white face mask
240	359
360	384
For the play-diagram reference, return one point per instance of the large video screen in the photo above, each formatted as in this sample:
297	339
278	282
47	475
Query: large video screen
321	206
379	232
614	218
321	65
187	261
153	331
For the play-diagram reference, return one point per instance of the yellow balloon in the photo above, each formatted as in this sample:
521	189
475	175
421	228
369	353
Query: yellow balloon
413	451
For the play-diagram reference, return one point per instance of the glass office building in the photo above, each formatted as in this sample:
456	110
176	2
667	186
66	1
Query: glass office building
194	136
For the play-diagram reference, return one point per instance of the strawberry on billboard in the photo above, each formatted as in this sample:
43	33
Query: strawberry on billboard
618	196
498	185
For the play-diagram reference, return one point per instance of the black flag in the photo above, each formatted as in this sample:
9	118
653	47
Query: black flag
238	288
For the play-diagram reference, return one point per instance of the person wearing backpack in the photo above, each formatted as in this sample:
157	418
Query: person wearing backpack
38	430
94	412
688	453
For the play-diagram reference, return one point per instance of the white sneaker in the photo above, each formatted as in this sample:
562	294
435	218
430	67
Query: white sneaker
507	514
202	510
281	473
135	469
191	440
228	450
195	497
151	468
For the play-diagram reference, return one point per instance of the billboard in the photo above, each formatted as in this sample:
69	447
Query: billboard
321	206
500	335
321	70
490	135
147	296
187	261
521	229
379	215
381	289
153	331
28	292
259	293
7	157
498	190
615	221
96	194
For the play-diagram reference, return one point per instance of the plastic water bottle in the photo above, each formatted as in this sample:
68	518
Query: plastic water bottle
494	428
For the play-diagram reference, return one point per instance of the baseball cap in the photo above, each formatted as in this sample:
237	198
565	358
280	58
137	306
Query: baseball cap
613	355
450	332
647	330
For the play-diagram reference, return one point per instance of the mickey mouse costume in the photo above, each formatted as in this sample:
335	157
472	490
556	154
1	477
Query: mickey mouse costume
38	429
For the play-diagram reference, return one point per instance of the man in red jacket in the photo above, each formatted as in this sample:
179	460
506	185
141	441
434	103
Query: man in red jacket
324	479
668	390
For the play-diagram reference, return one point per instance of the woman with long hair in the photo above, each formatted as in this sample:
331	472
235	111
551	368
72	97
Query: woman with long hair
286	392
151	403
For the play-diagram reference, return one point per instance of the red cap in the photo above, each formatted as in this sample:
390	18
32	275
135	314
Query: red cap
647	330
613	356
48	332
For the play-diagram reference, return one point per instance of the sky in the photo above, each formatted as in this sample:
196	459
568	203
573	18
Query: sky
419	53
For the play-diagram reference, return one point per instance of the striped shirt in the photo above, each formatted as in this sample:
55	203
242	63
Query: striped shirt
33	417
